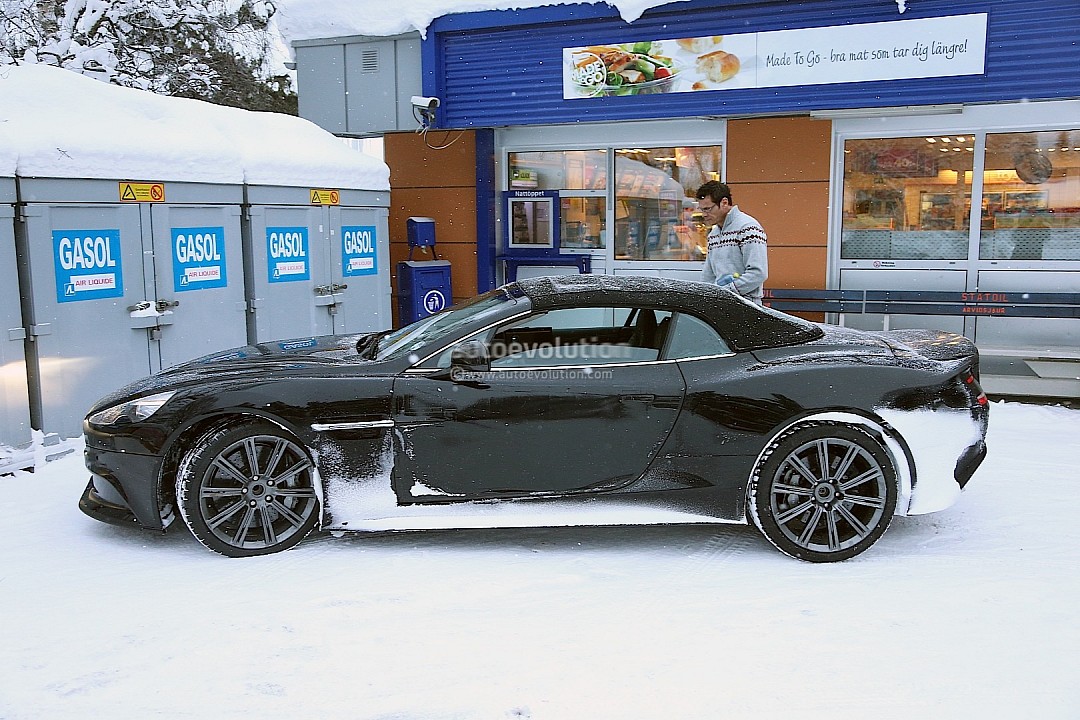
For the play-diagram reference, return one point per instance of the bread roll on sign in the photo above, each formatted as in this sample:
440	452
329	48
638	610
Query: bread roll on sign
718	65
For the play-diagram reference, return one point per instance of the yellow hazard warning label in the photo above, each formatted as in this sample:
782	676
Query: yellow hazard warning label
142	192
325	197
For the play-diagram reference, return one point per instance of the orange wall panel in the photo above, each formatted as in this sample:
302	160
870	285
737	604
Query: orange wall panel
778	170
796	267
439	184
791	213
785	149
415	165
454	210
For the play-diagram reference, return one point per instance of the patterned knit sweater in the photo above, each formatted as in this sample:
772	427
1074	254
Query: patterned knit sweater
738	247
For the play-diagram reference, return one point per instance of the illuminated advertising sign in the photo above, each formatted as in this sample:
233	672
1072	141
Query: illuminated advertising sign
895	50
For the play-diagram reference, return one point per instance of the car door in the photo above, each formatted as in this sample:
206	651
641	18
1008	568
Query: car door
568	406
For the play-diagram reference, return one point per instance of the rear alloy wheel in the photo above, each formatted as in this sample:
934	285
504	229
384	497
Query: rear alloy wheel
247	490
824	493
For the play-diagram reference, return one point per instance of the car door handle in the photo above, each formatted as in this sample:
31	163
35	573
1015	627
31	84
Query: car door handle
645	397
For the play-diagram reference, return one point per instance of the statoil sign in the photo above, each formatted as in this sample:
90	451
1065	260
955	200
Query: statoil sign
198	258
288	255
358	250
87	264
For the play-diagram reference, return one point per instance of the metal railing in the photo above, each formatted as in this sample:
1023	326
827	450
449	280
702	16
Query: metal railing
929	302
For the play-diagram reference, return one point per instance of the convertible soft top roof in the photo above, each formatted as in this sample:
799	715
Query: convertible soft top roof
743	324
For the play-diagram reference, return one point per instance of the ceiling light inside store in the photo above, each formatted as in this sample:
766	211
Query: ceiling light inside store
931	140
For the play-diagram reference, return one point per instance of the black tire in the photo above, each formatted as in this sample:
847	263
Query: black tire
824	493
247	490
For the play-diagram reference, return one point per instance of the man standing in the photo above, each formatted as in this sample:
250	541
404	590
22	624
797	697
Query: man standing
737	256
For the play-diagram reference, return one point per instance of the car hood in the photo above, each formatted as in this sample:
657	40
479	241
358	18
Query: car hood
296	355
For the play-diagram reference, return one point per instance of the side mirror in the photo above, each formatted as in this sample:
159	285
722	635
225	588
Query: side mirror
471	356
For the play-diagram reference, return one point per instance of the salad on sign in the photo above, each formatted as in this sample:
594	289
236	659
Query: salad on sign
638	68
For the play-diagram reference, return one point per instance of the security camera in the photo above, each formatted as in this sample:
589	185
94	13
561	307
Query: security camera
425	103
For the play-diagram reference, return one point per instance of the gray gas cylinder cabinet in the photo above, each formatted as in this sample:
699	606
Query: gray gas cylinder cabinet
14	397
318	262
123	280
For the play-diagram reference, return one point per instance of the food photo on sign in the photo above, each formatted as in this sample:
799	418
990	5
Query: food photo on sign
659	66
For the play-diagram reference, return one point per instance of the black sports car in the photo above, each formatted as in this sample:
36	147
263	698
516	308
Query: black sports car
583	399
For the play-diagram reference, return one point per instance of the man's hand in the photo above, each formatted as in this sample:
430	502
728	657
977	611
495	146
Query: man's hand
726	279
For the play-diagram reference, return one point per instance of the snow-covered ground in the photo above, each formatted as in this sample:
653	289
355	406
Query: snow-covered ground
968	613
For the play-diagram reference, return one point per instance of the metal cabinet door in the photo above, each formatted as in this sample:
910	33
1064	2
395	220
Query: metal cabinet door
291	281
14	395
199	281
360	247
86	265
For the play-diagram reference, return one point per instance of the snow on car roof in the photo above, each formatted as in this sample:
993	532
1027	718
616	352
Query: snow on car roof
745	325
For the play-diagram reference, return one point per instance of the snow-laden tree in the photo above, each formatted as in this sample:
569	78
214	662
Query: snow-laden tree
224	51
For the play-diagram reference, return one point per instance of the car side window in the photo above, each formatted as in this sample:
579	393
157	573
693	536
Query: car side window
579	336
691	337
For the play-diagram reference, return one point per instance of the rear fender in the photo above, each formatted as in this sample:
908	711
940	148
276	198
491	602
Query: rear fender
894	445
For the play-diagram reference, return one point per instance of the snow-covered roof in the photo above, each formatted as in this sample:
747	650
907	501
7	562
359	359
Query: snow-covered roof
316	19
60	124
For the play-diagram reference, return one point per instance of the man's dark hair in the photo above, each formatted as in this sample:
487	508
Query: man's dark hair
714	190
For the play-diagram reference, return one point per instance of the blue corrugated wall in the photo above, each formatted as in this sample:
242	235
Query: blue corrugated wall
501	68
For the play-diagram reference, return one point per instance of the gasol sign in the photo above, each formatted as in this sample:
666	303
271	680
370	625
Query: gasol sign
198	258
87	264
287	254
358	250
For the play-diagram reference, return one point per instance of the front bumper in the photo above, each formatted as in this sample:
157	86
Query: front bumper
110	510
122	483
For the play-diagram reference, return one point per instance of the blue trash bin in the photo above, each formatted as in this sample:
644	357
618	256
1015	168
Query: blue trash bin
423	288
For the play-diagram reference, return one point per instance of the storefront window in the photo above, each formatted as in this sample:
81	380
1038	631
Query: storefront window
558	170
907	198
582	221
580	176
656	214
655	208
1031	196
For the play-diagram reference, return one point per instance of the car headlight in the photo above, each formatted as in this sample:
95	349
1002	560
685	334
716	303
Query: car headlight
132	410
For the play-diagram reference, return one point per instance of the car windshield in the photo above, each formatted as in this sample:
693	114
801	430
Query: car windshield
412	337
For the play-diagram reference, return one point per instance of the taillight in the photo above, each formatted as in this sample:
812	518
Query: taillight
980	398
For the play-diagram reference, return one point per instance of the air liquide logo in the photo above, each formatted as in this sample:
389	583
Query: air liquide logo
587	72
198	258
87	264
287	254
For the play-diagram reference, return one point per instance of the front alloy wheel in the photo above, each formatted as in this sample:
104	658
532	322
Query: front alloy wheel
824	493
247	490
